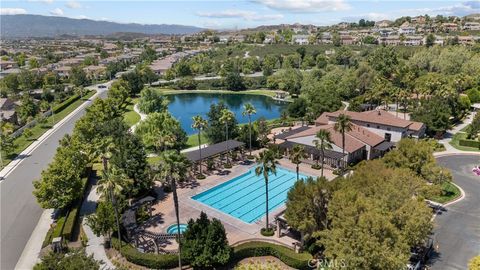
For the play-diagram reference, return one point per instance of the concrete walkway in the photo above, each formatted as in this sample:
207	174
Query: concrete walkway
142	117
449	149
95	243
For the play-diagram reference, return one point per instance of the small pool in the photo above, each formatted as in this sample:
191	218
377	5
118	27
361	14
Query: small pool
243	197
172	229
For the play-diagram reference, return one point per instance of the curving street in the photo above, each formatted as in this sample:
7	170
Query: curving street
457	229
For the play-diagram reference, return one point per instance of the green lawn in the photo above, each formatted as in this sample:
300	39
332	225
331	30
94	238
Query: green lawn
193	140
450	193
455	143
130	116
21	143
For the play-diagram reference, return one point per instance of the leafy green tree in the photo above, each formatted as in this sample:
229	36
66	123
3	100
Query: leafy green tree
161	131
76	259
430	40
267	166
186	83
291	61
118	94
205	243
474	263
134	82
216	131
269	63
173	170
226	118
199	124
307	206
319	96
297	108
27	133
6	141
233	81
249	110
110	187
343	56
323	142
302	51
27	109
182	69
151	101
296	155
289	80
61	183
375	218
435	114
474	127
78	77
148	76
321	61
103	220
384	60
343	125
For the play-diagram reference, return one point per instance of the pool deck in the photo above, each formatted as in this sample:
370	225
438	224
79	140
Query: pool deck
237	230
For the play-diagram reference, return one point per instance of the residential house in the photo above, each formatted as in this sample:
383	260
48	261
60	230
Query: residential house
408	30
6	64
466	40
300	39
449	27
348	40
7	110
380	122
413	41
390	40
473	26
95	72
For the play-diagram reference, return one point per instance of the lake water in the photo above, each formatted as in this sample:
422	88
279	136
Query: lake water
185	106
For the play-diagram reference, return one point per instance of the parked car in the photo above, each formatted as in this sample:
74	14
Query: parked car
102	86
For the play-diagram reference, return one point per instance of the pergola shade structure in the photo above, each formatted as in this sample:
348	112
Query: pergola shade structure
214	150
332	158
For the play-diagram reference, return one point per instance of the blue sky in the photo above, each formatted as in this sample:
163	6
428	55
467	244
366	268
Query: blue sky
238	14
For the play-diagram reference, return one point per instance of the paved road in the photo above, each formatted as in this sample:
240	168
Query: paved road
19	211
457	230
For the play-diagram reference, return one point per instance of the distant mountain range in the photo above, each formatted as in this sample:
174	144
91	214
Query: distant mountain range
22	26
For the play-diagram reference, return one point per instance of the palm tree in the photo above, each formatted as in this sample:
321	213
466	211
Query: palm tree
199	124
343	125
111	185
173	169
249	110
267	165
323	143
226	118
296	155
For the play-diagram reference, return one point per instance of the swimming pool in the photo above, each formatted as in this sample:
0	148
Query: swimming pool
243	197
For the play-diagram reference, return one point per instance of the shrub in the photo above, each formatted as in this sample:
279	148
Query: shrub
286	255
66	103
269	232
150	260
469	143
57	232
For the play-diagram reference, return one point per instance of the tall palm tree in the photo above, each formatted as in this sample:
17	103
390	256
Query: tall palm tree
173	169
249	110
343	125
296	155
199	124
226	118
267	165
110	186
322	143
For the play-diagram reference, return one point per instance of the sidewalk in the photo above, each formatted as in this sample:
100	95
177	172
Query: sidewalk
142	117
95	243
449	149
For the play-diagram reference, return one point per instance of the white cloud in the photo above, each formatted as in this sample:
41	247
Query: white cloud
73	5
461	9
12	11
42	1
372	16
306	6
243	14
56	12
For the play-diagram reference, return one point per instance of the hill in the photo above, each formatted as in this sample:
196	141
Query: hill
21	26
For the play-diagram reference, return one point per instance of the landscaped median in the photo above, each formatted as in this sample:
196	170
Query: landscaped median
60	112
242	251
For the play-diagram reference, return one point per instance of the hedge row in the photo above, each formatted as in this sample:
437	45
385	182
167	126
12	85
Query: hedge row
469	143
286	255
150	260
66	103
57	232
74	212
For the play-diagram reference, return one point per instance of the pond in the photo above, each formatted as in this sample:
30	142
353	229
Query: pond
185	106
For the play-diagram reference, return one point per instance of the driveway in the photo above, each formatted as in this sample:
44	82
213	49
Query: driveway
457	229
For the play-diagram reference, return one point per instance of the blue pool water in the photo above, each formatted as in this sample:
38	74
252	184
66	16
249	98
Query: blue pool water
243	197
173	229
